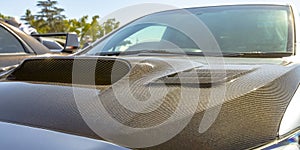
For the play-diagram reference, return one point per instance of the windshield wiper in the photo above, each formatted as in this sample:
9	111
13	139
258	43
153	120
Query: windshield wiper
208	54
159	52
259	54
140	53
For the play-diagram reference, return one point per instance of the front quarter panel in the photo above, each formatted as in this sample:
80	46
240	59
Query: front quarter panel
18	137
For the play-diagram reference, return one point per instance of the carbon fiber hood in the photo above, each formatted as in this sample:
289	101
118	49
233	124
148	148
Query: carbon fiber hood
39	93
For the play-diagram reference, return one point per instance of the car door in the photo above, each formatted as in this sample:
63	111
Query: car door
12	49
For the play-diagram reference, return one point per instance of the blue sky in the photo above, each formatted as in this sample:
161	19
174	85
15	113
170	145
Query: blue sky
76	8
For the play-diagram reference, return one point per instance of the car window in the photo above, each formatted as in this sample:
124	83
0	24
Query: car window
52	45
148	34
236	30
263	29
9	43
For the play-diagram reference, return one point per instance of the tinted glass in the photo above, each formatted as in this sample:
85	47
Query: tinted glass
236	29
9	43
249	29
52	45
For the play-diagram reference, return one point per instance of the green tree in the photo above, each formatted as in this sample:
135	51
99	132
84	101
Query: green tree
50	17
110	25
80	26
4	16
90	31
28	17
94	30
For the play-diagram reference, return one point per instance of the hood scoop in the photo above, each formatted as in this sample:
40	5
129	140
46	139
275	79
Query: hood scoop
205	77
61	70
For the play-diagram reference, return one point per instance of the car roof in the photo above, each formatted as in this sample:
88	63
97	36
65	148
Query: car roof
34	44
236	3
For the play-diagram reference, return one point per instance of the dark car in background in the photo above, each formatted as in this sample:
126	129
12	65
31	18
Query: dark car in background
213	77
15	45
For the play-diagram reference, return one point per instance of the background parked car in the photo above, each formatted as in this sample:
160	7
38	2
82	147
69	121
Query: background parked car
15	45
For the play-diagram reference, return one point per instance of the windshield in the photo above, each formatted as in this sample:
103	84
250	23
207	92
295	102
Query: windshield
254	29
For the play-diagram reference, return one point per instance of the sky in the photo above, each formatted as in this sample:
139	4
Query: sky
79	8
